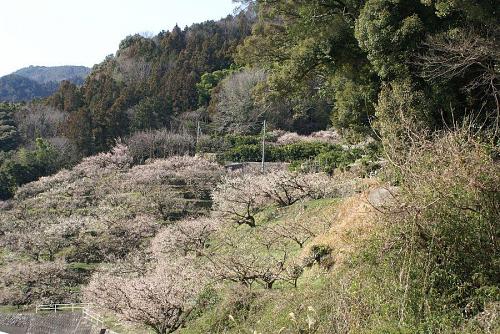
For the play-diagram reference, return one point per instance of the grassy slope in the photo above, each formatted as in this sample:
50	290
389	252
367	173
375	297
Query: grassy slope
285	309
355	293
360	292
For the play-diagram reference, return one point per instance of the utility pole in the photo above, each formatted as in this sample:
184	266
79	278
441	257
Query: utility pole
198	132
263	145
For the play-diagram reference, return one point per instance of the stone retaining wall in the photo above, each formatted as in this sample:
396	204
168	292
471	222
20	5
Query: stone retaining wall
57	323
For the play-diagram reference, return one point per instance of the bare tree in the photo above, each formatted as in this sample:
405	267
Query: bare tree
237	111
39	121
297	229
239	199
286	188
188	236
159	144
464	54
247	259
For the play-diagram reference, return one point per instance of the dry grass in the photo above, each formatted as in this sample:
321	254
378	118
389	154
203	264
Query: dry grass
352	223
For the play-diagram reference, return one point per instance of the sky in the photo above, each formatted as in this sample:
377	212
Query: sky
83	32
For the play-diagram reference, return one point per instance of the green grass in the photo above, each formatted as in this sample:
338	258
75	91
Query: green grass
266	311
83	266
363	295
11	309
308	209
234	308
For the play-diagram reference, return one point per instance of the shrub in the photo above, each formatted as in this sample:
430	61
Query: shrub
337	158
243	153
320	252
448	226
211	144
299	151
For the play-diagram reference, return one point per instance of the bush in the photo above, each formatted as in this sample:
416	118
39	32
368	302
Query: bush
300	151
7	186
320	252
315	155
210	144
331	160
249	148
229	144
243	153
444	238
26	166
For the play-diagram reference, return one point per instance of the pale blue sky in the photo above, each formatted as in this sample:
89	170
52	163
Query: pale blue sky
83	32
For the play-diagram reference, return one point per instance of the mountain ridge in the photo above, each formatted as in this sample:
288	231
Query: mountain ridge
34	82
44	74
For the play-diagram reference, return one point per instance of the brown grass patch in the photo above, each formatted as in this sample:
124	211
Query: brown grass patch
353	222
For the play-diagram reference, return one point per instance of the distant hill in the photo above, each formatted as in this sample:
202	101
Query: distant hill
15	88
38	81
43	74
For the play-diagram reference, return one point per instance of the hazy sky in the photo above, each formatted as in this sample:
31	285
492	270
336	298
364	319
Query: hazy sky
83	32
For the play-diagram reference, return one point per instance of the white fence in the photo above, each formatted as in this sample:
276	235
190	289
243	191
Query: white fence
85	308
61	307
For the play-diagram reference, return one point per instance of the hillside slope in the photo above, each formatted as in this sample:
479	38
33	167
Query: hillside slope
181	245
16	88
45	74
35	82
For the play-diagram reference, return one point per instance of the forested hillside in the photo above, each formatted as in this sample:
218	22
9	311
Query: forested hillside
44	74
16	88
309	167
36	82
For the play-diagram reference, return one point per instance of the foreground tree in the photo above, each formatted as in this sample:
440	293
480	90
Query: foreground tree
248	258
286	188
186	237
238	199
161	300
37	282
